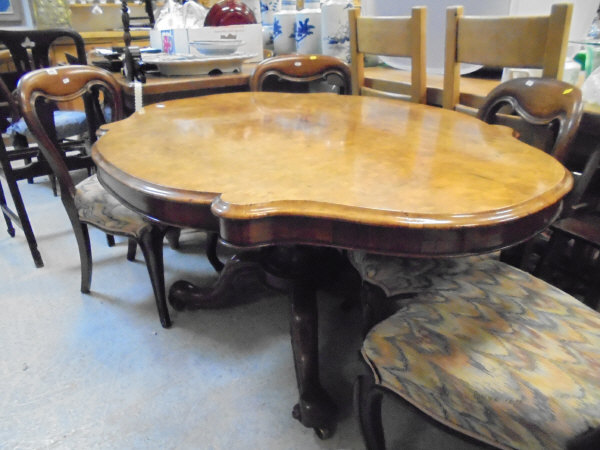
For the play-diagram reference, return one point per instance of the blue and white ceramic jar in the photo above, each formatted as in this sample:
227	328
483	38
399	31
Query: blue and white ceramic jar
335	29
268	8
308	28
284	30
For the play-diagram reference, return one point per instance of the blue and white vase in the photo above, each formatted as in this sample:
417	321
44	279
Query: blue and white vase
284	28
335	29
268	8
308	28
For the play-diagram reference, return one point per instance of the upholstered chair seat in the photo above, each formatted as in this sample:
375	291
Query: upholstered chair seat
495	353
68	123
400	276
96	206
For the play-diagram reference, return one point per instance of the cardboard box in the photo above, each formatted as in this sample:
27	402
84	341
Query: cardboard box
176	40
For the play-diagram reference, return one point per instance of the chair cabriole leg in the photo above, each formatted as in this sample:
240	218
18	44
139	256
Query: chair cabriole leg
367	401
151	242
131	249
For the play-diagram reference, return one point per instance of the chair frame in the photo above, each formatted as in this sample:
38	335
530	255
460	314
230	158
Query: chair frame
300	69
29	50
126	19
42	85
534	42
579	221
389	36
538	102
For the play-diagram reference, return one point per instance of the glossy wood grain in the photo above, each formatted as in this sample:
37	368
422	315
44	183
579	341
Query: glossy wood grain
322	168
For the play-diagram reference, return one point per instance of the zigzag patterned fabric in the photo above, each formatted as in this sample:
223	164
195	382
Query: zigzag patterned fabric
98	207
496	354
397	275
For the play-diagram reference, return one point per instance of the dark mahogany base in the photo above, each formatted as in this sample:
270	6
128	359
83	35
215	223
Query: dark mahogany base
299	270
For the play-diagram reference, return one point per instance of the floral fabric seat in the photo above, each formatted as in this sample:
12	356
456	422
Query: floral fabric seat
494	353
98	207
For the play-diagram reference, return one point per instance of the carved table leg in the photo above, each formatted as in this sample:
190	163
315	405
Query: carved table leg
301	270
315	408
298	270
185	295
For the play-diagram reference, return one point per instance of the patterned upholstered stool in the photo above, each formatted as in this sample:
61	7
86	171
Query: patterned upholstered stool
494	353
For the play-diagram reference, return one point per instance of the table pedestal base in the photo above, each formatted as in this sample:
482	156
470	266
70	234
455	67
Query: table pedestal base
299	270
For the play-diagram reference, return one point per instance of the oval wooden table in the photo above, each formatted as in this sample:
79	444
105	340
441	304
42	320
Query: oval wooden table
293	176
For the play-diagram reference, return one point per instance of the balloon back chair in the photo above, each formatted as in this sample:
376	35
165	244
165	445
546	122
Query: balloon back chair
461	328
490	352
572	255
30	50
545	113
301	73
88	203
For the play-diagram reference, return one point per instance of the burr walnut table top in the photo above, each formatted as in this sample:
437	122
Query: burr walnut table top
347	171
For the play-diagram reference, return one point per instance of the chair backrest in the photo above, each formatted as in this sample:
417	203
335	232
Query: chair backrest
516	41
64	84
389	36
295	73
30	50
138	21
545	112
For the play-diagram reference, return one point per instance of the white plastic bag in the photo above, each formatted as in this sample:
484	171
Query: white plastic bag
591	88
193	15
173	15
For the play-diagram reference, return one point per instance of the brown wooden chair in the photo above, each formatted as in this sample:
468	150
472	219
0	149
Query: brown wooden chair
389	36
515	41
292	74
30	50
146	21
301	73
490	352
545	113
88	203
572	255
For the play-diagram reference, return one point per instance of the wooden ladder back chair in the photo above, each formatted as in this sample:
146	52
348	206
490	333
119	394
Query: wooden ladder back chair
88	203
389	36
301	73
515	41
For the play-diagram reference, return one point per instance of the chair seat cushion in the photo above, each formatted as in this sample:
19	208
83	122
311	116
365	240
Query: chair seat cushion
397	275
500	355
68	123
98	207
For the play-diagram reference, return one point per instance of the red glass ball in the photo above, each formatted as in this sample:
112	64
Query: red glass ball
229	12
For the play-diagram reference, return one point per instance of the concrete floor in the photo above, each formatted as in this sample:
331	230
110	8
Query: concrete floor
98	371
